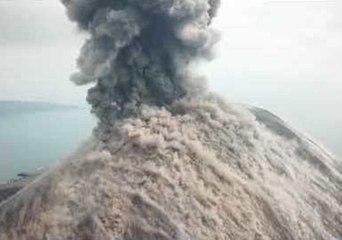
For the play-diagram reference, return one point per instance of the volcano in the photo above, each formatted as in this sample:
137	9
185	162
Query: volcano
169	160
203	169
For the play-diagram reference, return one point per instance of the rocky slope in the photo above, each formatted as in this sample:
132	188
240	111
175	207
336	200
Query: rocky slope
14	185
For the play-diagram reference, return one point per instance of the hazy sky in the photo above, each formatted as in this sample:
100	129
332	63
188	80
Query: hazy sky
284	55
38	48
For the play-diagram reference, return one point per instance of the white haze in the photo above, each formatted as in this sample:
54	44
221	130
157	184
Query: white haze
282	55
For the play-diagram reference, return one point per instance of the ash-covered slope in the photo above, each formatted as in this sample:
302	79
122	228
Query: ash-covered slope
201	170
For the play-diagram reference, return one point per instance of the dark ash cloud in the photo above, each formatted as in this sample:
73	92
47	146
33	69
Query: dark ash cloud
139	50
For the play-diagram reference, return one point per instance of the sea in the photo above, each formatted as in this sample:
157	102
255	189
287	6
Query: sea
38	135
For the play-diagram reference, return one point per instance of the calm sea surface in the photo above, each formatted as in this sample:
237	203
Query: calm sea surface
36	139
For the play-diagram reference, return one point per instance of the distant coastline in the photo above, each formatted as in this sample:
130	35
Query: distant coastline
10	107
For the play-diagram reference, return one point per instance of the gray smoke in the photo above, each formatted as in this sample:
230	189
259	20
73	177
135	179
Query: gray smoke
138	50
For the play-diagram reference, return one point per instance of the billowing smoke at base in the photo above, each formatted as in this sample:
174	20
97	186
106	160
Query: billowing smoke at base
139	50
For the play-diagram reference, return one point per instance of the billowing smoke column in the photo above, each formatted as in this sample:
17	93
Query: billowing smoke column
139	50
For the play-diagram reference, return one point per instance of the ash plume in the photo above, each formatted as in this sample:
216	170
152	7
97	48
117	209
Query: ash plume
138	50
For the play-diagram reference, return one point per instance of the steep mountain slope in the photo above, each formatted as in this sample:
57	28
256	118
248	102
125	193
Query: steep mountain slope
202	169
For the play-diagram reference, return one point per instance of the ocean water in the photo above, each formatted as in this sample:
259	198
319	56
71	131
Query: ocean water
39	138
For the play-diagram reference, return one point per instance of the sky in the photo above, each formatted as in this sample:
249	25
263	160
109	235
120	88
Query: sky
283	55
38	48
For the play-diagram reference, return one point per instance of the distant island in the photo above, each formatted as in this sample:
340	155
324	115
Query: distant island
23	107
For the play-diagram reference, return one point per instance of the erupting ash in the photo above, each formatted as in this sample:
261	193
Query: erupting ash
139	50
168	160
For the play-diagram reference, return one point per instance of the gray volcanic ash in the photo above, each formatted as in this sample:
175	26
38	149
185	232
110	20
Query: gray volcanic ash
138	51
168	160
